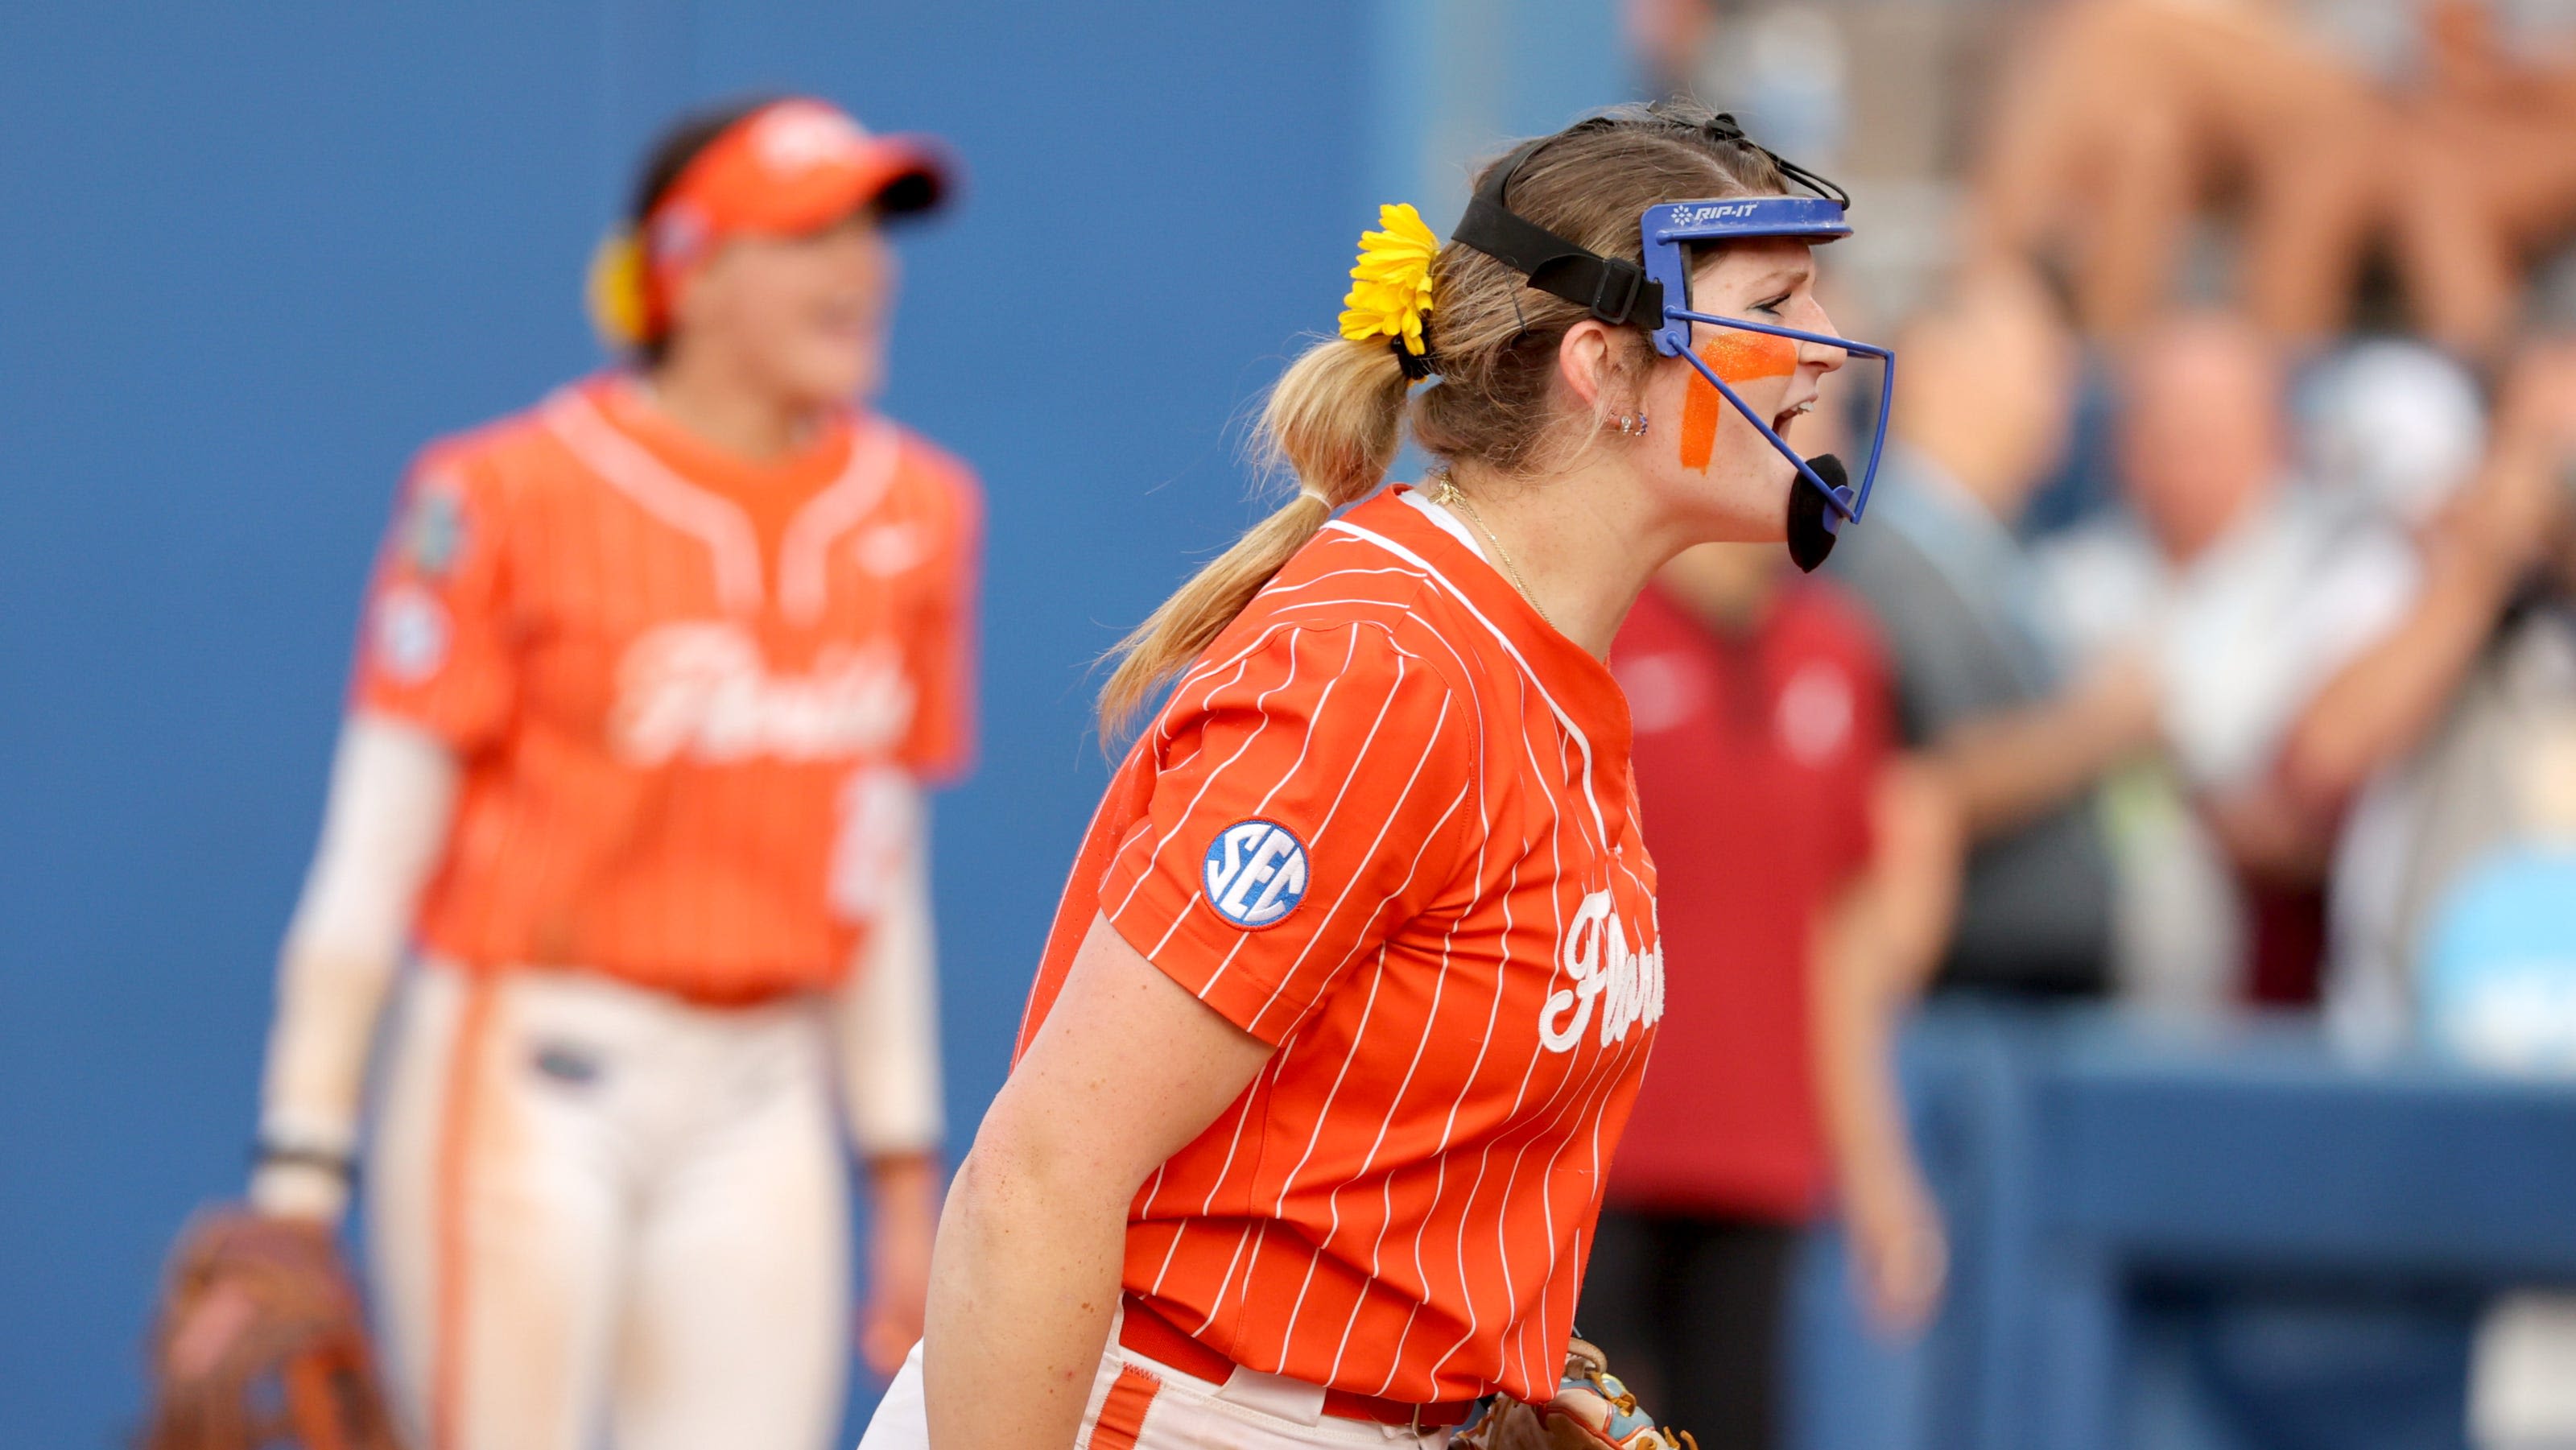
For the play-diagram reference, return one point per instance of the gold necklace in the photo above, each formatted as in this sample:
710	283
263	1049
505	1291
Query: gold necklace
1449	495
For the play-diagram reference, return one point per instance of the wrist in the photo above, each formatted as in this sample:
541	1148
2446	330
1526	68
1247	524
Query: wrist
299	1190
904	1182
2484	544
302	1174
1875	1164
2474	573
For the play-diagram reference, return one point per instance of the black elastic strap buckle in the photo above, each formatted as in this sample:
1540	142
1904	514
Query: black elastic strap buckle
1609	287
1613	272
1578	274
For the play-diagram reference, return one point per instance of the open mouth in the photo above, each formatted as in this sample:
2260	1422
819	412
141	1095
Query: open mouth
1781	420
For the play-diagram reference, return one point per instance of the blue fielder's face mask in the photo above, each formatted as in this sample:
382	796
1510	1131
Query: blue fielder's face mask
1656	297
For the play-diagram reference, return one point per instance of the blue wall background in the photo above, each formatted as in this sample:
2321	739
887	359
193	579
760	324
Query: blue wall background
251	255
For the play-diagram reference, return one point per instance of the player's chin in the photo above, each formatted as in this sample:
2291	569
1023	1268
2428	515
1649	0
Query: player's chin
827	371
1752	508
1766	508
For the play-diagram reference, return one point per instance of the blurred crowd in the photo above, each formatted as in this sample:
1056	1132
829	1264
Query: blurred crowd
2220	585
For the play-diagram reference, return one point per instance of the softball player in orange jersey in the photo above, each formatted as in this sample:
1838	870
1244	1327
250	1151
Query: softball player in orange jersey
649	680
1358	968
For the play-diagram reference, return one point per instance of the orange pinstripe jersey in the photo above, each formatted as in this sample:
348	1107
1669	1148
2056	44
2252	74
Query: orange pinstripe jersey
675	681
1385	822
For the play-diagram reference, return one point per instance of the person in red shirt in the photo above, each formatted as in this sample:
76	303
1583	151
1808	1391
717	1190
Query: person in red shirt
1356	973
1801	870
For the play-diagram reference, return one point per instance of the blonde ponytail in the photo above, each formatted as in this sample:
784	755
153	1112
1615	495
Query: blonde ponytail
1334	419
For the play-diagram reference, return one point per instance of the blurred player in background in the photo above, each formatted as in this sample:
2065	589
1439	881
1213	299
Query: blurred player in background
1807	879
650	680
1357	971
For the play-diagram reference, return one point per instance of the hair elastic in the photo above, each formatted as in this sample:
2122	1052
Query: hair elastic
1417	366
1315	494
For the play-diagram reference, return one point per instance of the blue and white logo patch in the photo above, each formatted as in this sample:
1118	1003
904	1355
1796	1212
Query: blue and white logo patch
1255	873
411	634
435	533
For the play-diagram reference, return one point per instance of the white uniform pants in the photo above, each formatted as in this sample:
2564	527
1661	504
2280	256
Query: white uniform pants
1142	1404
595	1208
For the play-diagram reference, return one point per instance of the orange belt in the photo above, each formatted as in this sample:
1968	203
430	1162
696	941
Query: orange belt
1157	1338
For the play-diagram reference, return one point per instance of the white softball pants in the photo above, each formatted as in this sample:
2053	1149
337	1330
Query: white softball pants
597	1210
1142	1404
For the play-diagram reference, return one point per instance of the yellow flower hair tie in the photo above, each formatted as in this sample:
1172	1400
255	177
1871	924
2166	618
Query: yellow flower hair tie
615	290
1391	286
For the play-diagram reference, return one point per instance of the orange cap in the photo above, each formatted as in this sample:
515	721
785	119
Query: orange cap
789	168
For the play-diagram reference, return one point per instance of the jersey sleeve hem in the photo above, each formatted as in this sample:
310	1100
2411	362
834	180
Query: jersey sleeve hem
1385	713
1198	965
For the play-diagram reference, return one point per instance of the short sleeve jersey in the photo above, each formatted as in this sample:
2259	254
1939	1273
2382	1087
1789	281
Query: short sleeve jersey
1385	823
676	682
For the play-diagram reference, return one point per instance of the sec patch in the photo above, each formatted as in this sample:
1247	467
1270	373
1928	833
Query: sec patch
1255	873
410	634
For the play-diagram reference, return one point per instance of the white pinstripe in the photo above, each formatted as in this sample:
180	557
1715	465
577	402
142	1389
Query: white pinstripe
1267	796
1259	702
1275	592
1226	1283
1581	741
803	549
628	467
1448	1134
1385	825
1369	1160
1235	1144
1297	765
1546	1189
1367	1011
1413	866
1347	888
1277	1059
1519	1139
1604	1071
1484	1158
1377	979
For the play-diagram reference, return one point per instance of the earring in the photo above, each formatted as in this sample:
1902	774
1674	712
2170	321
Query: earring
1631	424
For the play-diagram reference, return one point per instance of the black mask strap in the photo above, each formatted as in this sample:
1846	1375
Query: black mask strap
1615	290
1722	127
